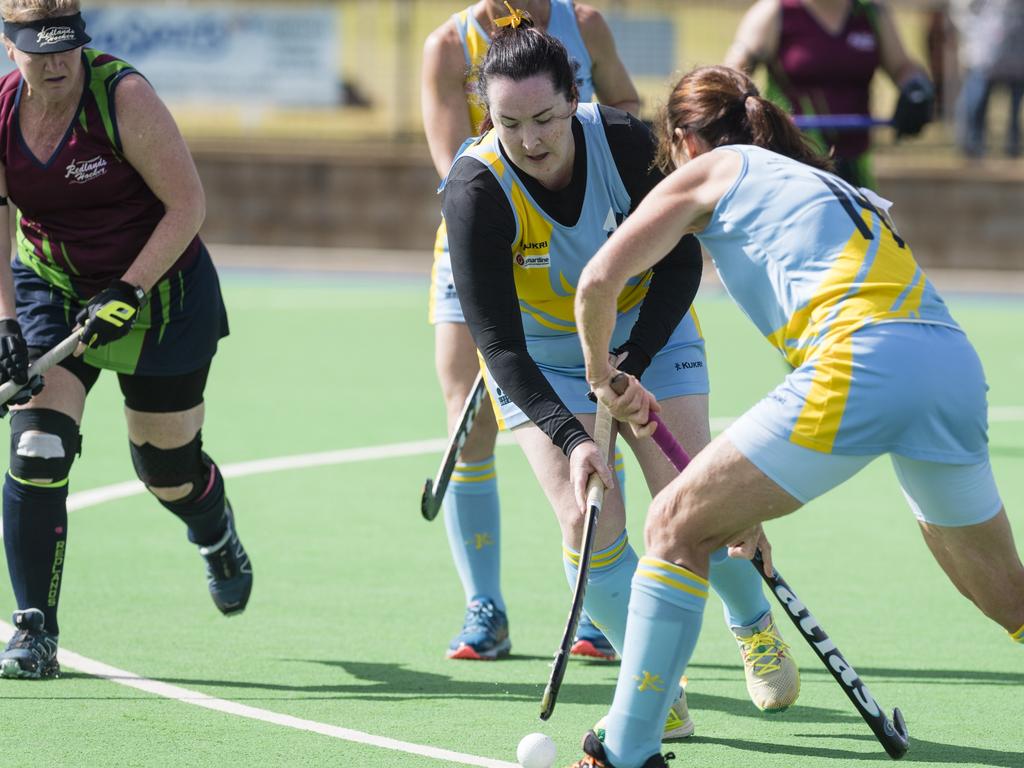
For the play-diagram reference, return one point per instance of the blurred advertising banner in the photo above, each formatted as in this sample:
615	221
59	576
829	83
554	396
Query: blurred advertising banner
262	56
270	55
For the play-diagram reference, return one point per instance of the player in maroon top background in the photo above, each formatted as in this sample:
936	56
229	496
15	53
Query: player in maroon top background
109	207
821	56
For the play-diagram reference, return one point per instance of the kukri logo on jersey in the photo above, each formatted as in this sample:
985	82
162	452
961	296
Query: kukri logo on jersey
81	171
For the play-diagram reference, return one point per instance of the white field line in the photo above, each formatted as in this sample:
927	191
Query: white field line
1006	413
91	498
94	496
175	693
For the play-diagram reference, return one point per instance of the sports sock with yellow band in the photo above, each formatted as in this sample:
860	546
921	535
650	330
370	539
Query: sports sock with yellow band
472	517
44	444
666	609
1018	636
607	597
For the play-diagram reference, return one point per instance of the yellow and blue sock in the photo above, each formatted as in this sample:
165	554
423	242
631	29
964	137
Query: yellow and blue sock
1018	636
665	613
472	517
607	598
738	583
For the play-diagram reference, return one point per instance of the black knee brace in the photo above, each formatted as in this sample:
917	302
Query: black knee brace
44	456
171	467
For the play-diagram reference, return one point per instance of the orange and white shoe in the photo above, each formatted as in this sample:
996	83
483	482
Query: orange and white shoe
484	635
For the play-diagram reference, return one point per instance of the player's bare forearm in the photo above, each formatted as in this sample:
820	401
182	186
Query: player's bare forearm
168	241
156	150
757	37
447	126
595	318
446	120
642	240
7	304
678	205
612	83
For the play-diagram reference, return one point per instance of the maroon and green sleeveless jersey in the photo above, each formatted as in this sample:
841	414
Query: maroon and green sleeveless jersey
820	73
84	213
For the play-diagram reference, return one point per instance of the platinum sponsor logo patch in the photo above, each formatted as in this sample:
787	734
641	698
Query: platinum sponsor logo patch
539	261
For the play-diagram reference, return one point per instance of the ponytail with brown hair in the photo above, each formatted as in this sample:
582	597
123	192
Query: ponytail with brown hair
722	106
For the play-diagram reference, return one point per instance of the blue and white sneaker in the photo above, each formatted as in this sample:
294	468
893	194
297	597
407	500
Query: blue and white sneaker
591	642
228	570
32	652
484	635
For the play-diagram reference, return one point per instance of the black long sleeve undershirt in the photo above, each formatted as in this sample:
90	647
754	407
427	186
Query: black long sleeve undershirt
481	229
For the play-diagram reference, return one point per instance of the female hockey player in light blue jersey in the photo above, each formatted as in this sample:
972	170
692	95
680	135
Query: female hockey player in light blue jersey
879	366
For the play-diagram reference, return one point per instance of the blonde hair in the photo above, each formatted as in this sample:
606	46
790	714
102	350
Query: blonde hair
20	11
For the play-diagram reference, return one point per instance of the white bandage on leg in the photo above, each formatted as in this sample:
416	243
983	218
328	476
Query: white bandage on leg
40	445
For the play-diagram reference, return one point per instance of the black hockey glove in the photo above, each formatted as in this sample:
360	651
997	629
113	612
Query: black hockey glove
915	107
110	314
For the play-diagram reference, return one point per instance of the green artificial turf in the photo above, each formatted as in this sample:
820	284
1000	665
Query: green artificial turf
355	597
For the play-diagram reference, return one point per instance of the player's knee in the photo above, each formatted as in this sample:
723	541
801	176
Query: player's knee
44	444
671	525
171	474
454	400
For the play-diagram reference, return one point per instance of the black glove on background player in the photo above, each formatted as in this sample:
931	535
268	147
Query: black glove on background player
915	107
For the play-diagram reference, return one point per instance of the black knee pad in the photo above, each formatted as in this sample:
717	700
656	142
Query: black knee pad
47	455
171	467
166	468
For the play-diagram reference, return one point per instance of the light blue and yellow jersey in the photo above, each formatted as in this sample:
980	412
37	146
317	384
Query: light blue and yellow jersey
561	25
810	259
548	257
824	276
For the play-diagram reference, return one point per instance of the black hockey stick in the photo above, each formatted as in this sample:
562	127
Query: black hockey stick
49	359
595	498
433	490
891	734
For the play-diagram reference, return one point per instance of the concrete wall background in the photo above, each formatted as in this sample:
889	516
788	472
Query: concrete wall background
383	197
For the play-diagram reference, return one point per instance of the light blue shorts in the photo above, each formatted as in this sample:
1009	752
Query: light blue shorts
679	369
914	391
444	301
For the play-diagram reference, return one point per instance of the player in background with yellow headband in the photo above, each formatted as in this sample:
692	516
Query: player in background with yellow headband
450	115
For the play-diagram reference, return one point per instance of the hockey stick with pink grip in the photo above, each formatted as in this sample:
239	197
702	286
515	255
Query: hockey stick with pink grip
891	734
